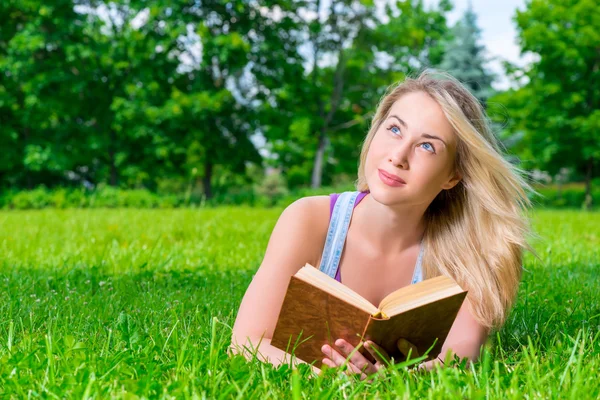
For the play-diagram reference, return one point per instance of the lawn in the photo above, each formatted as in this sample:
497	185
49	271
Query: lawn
140	303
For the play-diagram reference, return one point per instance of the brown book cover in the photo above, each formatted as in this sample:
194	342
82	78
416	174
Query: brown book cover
311	316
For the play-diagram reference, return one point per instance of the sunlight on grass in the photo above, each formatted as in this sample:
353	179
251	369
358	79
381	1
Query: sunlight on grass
139	303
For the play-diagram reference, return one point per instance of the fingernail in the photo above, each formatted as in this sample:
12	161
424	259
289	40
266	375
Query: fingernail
324	348
339	342
402	345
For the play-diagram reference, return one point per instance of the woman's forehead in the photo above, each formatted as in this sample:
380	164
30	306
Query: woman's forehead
419	113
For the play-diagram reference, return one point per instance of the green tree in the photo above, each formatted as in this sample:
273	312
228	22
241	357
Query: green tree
558	106
247	51
464	57
130	62
40	90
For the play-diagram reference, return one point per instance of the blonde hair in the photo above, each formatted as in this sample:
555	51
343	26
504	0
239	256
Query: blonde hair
476	231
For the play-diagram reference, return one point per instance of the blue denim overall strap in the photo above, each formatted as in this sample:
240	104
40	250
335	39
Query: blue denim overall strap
336	234
418	273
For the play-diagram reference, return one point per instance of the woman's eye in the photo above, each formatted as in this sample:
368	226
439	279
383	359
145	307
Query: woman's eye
431	147
396	130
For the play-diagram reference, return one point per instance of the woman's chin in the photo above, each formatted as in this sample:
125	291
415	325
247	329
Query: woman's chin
385	195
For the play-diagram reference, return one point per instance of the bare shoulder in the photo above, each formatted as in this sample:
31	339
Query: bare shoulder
311	215
315	209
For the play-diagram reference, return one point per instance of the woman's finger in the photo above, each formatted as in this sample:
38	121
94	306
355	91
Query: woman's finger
356	358
380	355
328	362
339	360
407	348
333	355
347	371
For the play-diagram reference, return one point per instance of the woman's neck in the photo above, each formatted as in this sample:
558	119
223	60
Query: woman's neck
390	229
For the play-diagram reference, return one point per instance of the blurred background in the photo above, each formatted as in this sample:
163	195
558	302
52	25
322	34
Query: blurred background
162	103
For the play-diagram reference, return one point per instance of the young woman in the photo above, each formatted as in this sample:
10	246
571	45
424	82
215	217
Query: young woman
434	196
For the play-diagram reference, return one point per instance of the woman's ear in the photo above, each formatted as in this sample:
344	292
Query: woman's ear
453	181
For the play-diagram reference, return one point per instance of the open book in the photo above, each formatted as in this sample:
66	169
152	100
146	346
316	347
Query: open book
317	310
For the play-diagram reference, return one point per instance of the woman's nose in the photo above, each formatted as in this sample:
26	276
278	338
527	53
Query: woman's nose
400	153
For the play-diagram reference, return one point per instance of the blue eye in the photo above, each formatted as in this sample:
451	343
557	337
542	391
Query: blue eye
396	130
430	145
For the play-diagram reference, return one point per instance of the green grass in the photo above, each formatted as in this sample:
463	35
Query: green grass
139	304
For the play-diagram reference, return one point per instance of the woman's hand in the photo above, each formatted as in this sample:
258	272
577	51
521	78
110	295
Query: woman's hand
357	363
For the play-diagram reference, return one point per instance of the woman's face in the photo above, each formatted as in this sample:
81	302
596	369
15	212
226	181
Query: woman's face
425	164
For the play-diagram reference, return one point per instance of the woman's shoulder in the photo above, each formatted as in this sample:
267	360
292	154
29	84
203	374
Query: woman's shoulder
312	214
313	210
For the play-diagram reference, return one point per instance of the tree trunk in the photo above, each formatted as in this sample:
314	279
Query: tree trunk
318	164
588	184
206	179
21	102
111	158
334	102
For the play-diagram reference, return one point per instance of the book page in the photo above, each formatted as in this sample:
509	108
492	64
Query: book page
418	294
312	275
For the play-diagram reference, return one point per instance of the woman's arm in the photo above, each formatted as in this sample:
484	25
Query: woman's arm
297	238
263	350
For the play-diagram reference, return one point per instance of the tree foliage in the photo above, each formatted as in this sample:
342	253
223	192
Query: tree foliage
180	96
558	106
465	57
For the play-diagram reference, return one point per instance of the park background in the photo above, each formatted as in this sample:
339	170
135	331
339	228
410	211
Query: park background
148	148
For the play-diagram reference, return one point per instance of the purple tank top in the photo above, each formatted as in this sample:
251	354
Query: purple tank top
333	199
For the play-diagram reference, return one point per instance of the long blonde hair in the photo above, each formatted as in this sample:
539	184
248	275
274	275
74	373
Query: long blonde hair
476	231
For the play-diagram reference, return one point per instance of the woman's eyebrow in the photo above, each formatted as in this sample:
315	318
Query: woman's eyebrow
423	135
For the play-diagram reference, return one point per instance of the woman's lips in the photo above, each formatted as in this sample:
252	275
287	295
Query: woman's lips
390	180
